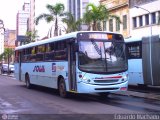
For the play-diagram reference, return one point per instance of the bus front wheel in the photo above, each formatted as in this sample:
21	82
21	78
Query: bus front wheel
62	88
27	81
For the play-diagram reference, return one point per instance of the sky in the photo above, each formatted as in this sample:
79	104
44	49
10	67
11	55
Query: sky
9	9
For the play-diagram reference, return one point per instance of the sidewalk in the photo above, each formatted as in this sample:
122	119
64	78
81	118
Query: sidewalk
140	94
11	75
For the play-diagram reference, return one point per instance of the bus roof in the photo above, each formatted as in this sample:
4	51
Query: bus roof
136	38
58	38
132	39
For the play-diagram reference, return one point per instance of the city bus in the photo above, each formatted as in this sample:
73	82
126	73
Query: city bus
143	69
78	62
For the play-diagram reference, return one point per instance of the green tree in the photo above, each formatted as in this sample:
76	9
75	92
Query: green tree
72	24
31	36
56	12
96	14
6	55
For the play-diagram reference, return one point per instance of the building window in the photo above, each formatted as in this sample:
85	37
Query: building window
111	25
140	21
104	26
147	19
134	22
124	21
117	25
153	18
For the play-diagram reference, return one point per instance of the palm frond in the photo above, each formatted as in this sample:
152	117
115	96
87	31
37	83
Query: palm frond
47	17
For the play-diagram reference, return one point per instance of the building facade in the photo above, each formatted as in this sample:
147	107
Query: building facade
137	21
31	21
119	8
144	17
9	38
77	8
22	22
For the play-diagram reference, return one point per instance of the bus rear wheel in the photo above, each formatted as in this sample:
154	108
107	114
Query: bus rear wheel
62	88
27	81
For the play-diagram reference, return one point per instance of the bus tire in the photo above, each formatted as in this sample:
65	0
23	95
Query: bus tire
62	88
27	81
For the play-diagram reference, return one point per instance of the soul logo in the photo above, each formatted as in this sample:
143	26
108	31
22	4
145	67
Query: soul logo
39	68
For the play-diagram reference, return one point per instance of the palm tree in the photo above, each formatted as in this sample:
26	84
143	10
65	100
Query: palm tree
72	24
56	11
95	14
31	36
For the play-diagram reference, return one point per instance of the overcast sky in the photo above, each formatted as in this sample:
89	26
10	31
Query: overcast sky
9	9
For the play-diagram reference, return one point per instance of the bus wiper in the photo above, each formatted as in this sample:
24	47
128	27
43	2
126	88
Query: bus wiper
96	47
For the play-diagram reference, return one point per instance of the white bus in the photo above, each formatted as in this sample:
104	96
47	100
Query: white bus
143	69
79	62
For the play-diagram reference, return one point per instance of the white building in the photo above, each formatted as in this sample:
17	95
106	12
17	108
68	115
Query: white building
22	17
22	21
143	20
1	37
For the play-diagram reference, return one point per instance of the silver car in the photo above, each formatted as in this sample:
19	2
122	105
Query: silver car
4	68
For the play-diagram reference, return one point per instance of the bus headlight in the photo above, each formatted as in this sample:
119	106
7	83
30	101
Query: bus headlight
86	79
124	78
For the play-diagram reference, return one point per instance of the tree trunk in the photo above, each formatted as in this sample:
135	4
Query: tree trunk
94	26
8	64
56	28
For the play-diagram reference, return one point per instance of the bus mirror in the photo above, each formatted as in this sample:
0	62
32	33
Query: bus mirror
76	47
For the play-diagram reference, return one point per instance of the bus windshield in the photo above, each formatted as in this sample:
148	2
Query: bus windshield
102	56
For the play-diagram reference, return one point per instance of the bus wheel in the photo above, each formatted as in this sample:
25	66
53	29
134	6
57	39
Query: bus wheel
27	80
62	88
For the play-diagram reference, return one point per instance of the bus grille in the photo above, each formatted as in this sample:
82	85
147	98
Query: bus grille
106	81
106	88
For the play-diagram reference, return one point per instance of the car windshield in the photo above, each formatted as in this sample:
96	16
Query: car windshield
102	57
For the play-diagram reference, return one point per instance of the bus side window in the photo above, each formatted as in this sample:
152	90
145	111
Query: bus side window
60	50
134	50
16	60
32	56
40	52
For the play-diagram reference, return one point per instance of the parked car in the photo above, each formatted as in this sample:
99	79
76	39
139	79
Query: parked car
4	68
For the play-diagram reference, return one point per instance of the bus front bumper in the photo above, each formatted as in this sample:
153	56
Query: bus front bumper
91	88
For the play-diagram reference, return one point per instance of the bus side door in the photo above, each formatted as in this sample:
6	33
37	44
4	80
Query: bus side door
71	66
19	66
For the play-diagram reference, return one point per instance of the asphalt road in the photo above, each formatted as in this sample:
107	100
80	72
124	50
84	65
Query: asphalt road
16	99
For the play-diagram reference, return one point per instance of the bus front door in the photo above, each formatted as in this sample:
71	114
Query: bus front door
71	67
19	66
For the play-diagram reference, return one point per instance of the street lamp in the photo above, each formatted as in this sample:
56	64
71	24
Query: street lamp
150	46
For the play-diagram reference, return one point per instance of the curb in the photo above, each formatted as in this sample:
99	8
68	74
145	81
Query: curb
139	94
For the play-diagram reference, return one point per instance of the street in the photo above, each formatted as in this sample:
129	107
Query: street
15	98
